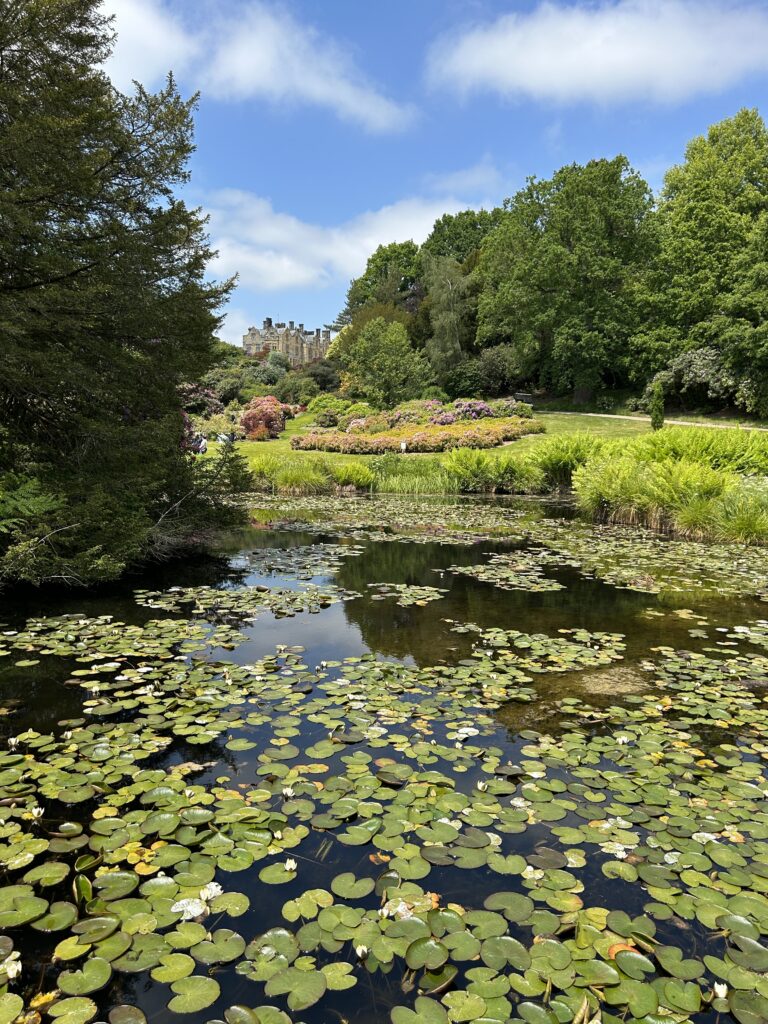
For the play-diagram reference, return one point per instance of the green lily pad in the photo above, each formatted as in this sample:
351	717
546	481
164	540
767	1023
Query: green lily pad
193	994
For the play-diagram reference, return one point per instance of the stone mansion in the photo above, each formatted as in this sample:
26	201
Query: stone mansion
298	345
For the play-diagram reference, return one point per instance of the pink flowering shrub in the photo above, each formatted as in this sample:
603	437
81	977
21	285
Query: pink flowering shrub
471	409
263	412
428	438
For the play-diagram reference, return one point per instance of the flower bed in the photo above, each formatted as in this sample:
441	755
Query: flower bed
429	438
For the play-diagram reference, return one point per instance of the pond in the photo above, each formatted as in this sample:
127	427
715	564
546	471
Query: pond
392	760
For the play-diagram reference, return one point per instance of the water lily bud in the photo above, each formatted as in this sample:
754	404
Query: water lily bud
721	989
361	952
290	864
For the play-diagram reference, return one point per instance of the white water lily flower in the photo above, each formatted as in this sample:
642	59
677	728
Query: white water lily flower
290	864
721	989
190	909
383	912
12	742
11	966
37	812
288	791
211	891
704	837
531	872
617	849
399	909
361	952
623	739
482	786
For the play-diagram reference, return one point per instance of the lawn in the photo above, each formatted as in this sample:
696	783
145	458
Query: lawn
556	423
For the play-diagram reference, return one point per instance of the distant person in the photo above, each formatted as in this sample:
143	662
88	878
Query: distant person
202	447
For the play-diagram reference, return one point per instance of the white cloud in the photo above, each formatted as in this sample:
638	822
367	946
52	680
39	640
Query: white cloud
236	323
480	180
664	51
151	41
275	251
250	50
267	53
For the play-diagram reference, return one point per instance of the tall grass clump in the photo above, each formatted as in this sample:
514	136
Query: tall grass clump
559	457
473	469
741	516
740	451
519	474
671	495
398	474
352	474
300	478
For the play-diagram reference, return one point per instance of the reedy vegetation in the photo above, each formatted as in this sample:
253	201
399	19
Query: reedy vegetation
700	483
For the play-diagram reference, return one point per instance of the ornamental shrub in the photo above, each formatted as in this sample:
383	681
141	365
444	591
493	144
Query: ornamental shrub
656	404
427	438
265	412
471	409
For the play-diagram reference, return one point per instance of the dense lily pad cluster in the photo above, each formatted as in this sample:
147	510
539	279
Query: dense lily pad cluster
629	558
324	832
637	559
522	569
406	594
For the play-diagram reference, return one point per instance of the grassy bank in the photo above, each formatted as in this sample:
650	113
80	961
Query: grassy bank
686	481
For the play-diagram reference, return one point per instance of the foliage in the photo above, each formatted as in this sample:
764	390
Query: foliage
263	414
557	458
104	304
495	371
418	438
659	495
309	475
297	388
198	400
227	422
558	271
22	502
740	451
699	378
457	236
656	404
474	470
707	288
388	276
381	366
325	373
353	474
452	312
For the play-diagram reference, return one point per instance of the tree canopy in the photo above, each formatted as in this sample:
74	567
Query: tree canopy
588	282
104	304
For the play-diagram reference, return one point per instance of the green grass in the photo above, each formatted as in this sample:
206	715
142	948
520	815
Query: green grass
688	481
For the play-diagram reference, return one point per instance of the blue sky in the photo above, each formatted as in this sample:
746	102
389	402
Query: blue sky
326	127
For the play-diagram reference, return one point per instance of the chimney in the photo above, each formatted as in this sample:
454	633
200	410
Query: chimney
290	325
301	328
317	333
326	335
268	322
